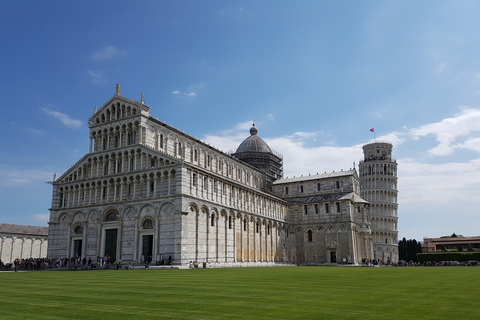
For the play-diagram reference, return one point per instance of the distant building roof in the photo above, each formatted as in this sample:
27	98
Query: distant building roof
327	197
20	229
316	176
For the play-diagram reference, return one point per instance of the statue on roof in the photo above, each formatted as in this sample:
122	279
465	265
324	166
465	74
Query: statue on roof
117	89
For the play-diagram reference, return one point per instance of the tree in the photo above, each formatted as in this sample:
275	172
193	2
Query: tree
408	249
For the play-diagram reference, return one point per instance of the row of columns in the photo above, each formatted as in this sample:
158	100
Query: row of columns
117	138
379	169
5	251
111	164
223	193
111	191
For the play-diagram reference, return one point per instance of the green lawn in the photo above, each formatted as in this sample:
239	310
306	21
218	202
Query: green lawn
244	293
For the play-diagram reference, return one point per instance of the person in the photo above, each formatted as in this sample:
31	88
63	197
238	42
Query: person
169	259
191	265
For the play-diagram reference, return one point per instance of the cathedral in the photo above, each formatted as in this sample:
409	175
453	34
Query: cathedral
147	192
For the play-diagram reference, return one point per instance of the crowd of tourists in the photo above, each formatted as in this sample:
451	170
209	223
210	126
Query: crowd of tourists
77	263
32	264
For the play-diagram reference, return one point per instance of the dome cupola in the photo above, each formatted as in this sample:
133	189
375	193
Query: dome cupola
253	143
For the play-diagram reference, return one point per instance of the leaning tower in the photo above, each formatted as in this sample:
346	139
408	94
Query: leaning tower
378	185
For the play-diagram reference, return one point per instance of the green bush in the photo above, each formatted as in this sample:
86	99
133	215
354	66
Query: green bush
448	256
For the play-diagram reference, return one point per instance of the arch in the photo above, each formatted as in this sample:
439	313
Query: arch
111	215
92	216
167	208
78	229
147	210
78	216
148	223
309	235
128	213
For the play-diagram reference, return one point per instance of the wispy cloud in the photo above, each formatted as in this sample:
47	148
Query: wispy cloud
235	12
97	77
107	53
184	94
65	119
41	217
191	92
464	125
12	178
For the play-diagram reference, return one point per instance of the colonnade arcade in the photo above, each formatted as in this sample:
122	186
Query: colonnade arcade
107	164
378	183
119	136
235	236
22	247
380	168
136	186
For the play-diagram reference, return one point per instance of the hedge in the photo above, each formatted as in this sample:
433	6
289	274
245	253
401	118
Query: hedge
448	256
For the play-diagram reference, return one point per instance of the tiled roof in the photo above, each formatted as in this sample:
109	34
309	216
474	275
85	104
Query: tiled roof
327	197
20	229
316	176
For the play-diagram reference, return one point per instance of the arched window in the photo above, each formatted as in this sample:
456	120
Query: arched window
78	230
147	224
112	216
212	222
230	222
161	141
310	236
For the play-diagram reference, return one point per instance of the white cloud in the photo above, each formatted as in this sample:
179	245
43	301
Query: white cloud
184	94
191	92
65	119
12	178
462	125
42	217
437	184
97	77
107	53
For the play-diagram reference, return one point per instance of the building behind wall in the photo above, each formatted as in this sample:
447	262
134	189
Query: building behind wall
22	242
149	192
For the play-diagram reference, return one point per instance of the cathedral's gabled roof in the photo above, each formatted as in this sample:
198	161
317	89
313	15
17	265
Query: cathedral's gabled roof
318	176
121	100
352	196
253	143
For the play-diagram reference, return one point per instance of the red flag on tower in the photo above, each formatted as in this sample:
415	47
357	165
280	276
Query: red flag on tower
372	130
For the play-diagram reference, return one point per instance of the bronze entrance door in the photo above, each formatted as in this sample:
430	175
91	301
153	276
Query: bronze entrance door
147	248
77	248
111	244
333	257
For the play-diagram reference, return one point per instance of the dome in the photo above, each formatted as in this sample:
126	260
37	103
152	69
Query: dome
253	143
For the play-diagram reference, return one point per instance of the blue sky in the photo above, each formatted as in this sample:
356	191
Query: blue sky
314	75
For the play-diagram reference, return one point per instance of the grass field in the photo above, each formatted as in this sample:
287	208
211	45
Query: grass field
244	293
